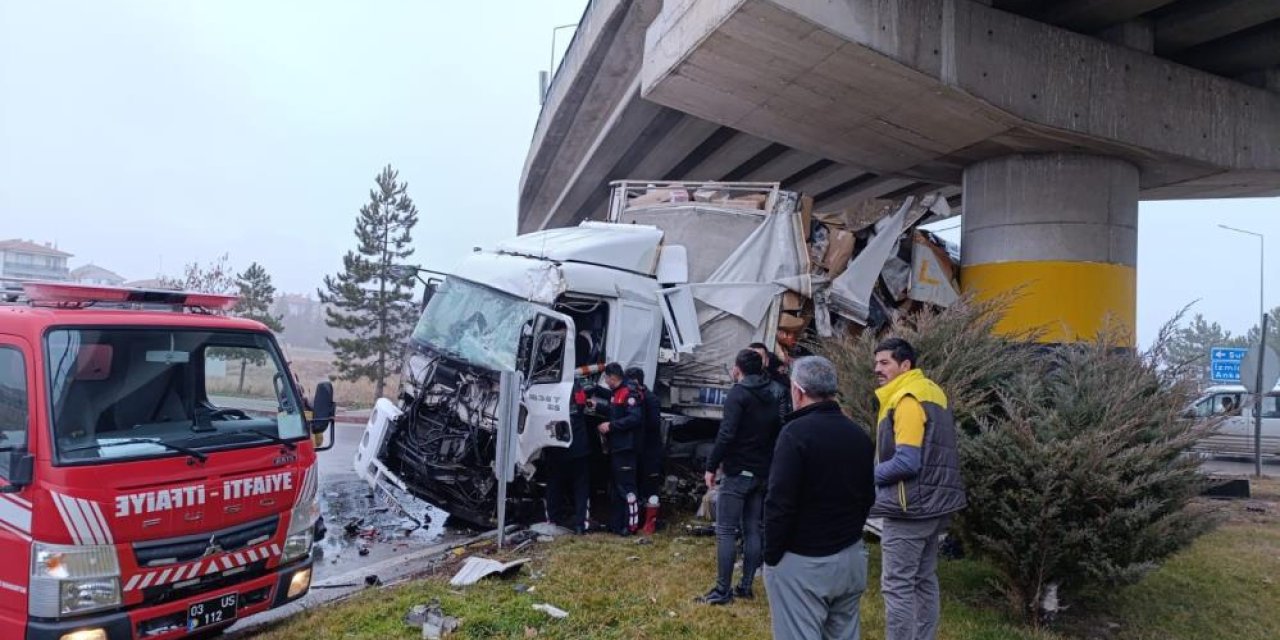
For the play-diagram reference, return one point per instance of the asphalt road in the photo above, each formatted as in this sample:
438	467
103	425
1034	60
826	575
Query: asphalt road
395	544
1232	466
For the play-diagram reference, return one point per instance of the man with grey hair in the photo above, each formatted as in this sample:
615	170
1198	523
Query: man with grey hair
820	490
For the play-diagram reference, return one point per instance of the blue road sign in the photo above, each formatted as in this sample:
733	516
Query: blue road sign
1224	363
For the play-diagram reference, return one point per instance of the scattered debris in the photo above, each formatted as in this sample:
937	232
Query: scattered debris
522	588
364	551
700	531
546	539
522	546
417	615
530	632
642	541
632	558
476	568
431	619
550	530
372	580
554	612
1253	509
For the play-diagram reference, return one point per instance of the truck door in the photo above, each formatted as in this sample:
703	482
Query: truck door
637	328
16	415
548	375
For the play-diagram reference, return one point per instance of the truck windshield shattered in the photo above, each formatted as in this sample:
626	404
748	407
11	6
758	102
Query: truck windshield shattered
141	393
474	324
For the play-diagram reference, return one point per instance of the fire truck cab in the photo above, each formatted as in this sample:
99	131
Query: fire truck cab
157	470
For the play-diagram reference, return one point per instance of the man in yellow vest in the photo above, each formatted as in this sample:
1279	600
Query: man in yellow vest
918	487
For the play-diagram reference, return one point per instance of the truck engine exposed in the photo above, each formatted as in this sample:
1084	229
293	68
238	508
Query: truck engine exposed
443	444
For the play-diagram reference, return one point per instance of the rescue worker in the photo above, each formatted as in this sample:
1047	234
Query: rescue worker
569	471
626	423
651	451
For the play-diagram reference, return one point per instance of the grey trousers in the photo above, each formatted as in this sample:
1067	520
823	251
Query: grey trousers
909	577
818	597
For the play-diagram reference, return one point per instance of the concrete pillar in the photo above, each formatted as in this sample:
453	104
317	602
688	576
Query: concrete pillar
1061	232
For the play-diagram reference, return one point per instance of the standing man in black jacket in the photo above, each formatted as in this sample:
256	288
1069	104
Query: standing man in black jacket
744	445
626	423
821	488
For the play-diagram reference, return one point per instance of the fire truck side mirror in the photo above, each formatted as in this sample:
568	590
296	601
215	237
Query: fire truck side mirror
322	408
21	470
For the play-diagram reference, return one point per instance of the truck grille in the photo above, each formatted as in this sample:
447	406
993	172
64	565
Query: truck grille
174	550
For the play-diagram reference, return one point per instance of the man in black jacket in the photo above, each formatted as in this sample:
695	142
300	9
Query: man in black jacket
626	423
821	488
773	370
744	445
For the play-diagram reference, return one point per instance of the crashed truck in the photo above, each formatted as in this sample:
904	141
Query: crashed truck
677	280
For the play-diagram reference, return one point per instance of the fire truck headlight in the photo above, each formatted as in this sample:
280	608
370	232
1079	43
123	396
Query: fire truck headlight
68	579
297	545
79	596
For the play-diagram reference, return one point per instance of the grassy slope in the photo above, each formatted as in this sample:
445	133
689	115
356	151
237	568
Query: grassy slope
1224	586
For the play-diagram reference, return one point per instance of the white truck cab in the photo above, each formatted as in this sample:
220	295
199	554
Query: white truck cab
674	288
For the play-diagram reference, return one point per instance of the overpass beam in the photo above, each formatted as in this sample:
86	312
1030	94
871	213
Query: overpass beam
1058	231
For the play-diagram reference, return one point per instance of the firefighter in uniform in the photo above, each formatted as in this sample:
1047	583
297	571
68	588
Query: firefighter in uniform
622	431
650	452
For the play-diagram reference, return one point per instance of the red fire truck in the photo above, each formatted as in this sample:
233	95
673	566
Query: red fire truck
157	468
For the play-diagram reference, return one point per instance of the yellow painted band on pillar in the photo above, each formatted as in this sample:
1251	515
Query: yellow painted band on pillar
1066	301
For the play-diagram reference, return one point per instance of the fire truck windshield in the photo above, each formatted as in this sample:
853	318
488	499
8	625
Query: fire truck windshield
139	393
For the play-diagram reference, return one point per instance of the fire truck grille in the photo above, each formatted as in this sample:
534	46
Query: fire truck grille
173	550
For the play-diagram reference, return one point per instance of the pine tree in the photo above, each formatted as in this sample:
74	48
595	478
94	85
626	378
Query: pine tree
371	298
1273	332
257	294
1190	344
1073	456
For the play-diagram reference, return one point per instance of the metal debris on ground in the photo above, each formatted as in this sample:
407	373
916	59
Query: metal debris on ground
372	580
640	541
549	529
475	568
701	531
553	611
435	624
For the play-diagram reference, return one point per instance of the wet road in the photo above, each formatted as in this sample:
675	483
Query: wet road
389	534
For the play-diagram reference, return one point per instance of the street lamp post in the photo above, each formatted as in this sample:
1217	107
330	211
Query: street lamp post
1262	345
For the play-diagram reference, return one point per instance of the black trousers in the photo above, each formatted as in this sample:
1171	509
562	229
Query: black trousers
569	479
626	503
651	471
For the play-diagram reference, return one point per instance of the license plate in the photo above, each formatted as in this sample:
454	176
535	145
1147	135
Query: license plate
212	612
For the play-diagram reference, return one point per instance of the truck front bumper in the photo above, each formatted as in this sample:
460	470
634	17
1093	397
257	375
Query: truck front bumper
169	620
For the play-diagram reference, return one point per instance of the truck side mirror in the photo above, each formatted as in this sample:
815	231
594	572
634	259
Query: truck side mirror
322	408
21	470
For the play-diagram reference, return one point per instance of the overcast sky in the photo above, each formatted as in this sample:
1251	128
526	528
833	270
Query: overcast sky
141	135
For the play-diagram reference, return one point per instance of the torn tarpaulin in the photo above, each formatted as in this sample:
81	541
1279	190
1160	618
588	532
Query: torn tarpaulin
850	293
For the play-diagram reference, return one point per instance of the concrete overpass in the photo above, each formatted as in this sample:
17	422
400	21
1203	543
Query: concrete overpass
1051	118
